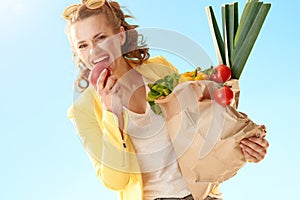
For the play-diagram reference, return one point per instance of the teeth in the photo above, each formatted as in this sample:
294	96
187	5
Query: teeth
100	59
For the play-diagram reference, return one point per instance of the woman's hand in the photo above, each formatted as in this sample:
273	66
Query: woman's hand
109	92
110	95
254	148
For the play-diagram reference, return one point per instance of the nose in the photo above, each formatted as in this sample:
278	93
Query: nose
94	51
93	48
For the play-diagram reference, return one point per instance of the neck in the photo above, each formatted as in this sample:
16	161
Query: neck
122	67
127	76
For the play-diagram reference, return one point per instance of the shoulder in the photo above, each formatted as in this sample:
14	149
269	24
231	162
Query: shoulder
160	60
82	103
156	67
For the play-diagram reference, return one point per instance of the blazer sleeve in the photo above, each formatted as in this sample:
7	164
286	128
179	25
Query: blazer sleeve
104	153
172	68
156	68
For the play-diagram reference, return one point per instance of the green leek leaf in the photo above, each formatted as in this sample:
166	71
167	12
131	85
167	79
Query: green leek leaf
243	51
230	24
247	23
216	35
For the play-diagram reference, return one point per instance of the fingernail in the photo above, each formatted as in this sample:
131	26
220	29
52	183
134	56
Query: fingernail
103	73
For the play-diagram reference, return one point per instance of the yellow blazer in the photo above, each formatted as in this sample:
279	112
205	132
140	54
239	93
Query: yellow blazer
98	129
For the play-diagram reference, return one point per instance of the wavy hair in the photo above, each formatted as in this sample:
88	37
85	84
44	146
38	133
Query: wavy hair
134	49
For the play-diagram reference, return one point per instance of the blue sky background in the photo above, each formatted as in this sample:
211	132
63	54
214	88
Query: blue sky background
42	158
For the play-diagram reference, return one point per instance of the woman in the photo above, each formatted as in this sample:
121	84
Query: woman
129	148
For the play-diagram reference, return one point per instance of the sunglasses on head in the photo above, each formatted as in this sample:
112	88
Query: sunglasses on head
90	4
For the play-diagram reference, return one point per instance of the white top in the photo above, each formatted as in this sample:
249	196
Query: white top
160	171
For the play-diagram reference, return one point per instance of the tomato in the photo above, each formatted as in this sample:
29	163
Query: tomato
221	74
223	95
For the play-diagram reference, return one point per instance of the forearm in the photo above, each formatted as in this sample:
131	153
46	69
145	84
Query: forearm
103	149
113	179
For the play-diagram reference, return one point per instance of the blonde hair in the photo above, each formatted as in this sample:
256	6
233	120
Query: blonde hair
134	49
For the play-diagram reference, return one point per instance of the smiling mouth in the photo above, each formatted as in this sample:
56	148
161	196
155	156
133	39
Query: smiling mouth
100	59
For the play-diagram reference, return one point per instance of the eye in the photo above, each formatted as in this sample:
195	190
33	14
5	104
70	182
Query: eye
100	38
82	46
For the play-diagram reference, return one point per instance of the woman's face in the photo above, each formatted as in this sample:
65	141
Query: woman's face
96	43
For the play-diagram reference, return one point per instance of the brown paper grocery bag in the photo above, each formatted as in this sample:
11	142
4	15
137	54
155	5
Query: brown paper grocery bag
206	135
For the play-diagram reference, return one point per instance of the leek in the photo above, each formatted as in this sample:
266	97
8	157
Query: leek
234	48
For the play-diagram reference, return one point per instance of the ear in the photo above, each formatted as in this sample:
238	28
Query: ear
122	35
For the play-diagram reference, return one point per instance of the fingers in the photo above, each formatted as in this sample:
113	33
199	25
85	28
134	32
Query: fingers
101	80
254	148
259	141
109	92
105	83
252	155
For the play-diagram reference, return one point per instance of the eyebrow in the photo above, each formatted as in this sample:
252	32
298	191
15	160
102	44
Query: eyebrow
95	36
